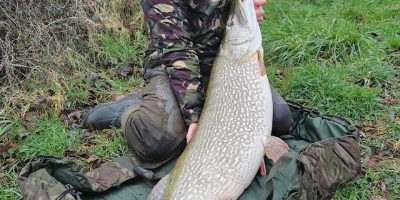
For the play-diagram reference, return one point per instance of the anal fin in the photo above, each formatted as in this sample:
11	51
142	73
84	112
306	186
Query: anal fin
263	168
275	148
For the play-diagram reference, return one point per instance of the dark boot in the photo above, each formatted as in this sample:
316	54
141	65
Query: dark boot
282	117
109	115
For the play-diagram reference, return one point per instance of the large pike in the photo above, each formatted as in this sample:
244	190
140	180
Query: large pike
234	130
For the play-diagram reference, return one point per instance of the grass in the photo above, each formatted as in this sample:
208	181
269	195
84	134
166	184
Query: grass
330	89
50	138
109	147
340	57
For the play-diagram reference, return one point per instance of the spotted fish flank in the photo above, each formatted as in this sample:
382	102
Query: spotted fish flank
234	130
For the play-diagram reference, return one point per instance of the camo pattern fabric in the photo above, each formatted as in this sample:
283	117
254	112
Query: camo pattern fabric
315	173
184	38
48	177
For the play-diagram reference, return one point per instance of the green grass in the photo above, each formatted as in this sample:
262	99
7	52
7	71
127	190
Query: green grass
50	137
120	48
371	185
8	185
340	57
110	147
330	90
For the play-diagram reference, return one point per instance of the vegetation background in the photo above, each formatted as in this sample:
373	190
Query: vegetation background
59	58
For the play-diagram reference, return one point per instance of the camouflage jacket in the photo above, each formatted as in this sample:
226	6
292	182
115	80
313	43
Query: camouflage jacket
184	39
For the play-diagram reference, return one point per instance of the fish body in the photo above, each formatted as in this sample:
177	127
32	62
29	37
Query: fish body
225	154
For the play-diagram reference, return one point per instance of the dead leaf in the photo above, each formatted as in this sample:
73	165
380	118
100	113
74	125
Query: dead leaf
394	144
141	72
42	103
118	97
137	91
389	101
134	27
383	187
29	125
362	134
23	133
93	158
88	136
372	162
107	85
30	121
125	71
280	72
64	118
73	126
91	79
109	134
76	115
5	149
93	95
132	63
76	154
106	65
376	198
371	129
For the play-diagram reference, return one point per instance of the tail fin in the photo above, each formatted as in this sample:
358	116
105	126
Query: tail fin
158	192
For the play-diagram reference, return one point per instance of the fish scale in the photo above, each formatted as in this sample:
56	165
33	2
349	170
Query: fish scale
235	125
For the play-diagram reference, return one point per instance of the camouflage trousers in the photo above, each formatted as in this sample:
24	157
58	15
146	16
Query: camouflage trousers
154	128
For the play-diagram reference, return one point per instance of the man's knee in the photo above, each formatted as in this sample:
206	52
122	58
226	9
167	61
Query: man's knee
151	143
154	129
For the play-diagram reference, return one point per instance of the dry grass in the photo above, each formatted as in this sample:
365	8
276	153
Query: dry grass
51	58
38	41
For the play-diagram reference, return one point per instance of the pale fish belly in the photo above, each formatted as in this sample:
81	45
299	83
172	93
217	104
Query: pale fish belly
227	149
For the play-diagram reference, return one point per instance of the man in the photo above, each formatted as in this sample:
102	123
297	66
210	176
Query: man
184	38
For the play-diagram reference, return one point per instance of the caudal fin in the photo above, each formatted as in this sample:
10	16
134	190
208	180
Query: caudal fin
157	193
275	148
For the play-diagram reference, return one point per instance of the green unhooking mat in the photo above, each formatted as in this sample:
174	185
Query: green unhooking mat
324	154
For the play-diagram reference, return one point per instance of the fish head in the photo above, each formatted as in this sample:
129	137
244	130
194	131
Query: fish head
242	34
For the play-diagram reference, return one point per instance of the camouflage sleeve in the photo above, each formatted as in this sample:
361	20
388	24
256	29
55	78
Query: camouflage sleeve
184	39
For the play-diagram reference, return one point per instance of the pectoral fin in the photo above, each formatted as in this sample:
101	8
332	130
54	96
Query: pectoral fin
275	148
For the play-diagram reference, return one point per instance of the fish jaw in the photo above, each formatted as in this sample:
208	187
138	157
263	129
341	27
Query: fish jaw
242	35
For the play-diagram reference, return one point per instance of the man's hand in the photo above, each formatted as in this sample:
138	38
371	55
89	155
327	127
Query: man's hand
191	132
258	6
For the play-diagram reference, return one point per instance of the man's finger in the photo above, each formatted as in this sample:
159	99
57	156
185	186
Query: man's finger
260	14
191	132
259	3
